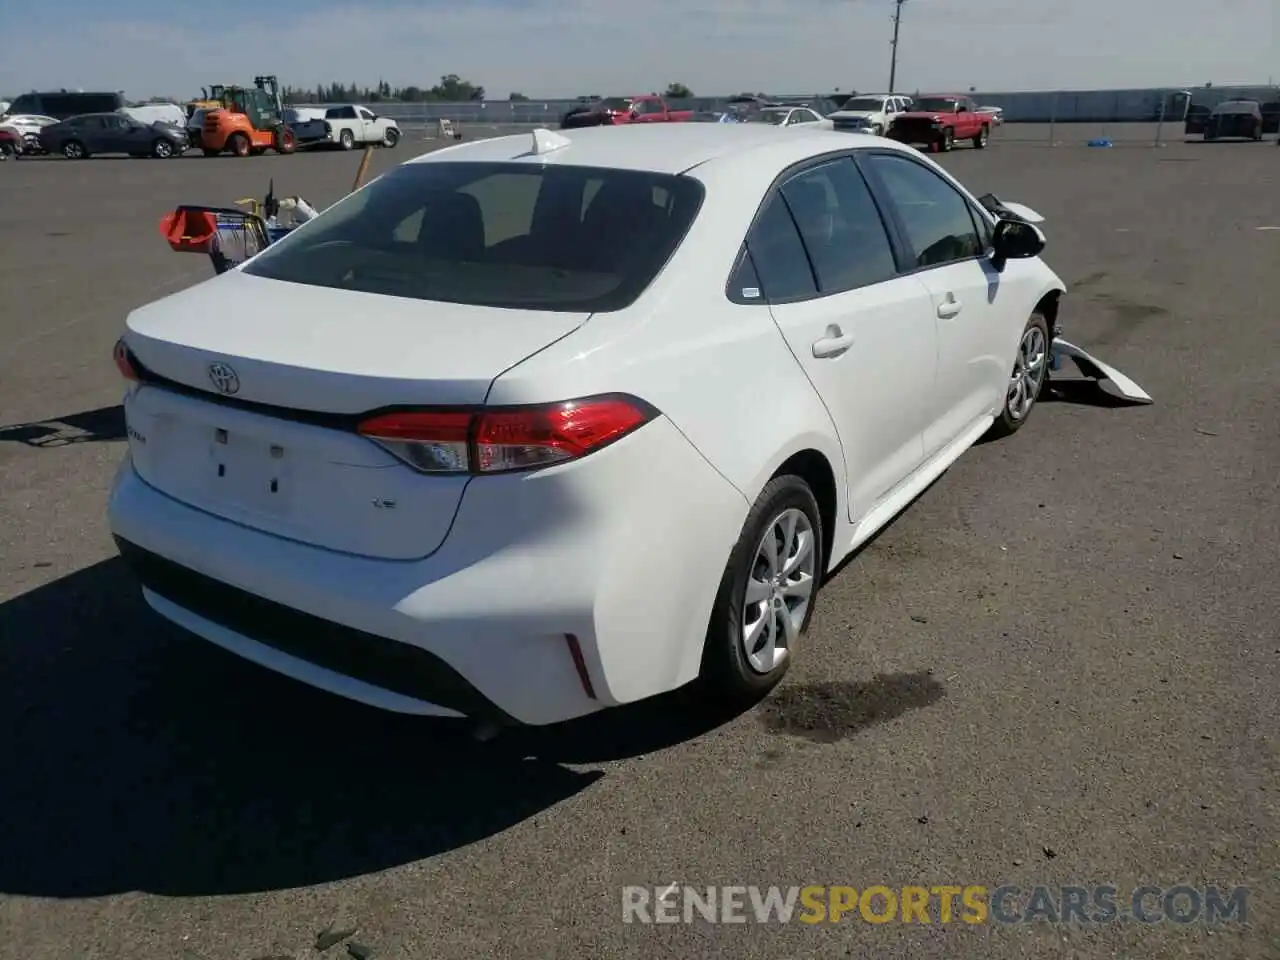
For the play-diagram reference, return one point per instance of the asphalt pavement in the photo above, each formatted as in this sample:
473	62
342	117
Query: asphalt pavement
1059	667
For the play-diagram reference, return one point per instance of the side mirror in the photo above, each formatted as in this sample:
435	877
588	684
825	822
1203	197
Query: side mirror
1015	240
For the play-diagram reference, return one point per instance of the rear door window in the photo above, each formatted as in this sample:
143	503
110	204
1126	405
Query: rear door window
778	256
525	236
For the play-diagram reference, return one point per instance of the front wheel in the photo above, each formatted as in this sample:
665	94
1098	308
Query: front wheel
877	130
391	138
162	149
1027	379
766	594
980	141
74	150
948	141
285	142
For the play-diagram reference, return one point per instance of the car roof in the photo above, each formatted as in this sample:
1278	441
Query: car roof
669	148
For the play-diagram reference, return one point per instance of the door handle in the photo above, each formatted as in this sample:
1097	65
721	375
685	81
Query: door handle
949	308
833	344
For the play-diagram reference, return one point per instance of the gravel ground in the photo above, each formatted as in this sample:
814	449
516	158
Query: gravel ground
1058	667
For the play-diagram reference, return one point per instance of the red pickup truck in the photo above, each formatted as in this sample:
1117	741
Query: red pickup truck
939	120
615	111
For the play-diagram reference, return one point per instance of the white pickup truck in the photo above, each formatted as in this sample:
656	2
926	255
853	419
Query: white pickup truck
348	126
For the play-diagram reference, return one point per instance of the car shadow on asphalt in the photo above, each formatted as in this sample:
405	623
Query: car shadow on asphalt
1083	392
140	758
102	425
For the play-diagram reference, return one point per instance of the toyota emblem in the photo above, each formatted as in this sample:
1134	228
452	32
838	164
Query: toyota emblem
224	378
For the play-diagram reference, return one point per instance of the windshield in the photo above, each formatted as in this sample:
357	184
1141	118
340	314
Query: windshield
863	103
775	117
524	236
934	105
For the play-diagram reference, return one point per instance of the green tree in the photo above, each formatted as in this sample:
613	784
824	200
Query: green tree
454	89
517	97
678	91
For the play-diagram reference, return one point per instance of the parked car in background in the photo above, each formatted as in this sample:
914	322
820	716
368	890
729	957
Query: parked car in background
11	144
938	121
63	105
1230	118
28	127
171	113
870	112
715	116
409	489
347	126
617	111
104	133
995	113
787	116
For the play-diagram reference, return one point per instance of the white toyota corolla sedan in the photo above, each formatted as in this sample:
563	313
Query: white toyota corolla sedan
534	426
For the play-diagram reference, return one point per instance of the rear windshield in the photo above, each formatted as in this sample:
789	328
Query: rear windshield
524	236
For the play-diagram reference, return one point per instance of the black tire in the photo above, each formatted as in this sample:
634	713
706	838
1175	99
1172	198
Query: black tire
285	142
209	152
347	139
239	145
1008	422
877	130
980	141
391	138
726	670
31	144
74	150
162	149
948	140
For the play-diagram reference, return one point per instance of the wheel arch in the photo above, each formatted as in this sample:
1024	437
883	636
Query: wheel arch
1048	304
815	469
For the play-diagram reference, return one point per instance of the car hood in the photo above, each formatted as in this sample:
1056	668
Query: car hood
853	114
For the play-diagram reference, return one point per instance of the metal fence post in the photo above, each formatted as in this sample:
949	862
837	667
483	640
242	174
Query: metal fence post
1053	118
1164	103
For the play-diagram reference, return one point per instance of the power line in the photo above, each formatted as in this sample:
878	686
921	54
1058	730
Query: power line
893	59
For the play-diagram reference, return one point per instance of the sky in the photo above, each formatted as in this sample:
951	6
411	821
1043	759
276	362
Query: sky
566	48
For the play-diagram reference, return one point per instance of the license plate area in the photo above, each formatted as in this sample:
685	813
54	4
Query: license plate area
248	471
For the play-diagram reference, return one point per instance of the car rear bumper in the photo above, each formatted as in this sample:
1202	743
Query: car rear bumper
622	551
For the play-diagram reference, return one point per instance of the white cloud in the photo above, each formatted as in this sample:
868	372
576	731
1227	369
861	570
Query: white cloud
715	46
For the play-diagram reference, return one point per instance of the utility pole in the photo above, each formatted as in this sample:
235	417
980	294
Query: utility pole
893	60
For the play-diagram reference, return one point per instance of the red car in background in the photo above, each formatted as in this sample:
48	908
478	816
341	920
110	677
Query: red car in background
11	144
938	120
615	111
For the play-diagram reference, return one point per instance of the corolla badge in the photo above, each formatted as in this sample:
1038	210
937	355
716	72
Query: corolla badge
225	380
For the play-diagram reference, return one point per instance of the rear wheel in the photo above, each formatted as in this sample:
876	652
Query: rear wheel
1027	379
239	144
767	593
74	150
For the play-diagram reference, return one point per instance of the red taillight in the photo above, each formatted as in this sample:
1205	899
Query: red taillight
124	362
502	440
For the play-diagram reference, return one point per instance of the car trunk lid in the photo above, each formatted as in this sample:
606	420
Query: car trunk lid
261	384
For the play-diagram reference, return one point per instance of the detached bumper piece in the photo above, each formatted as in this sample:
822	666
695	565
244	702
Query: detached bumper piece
389	664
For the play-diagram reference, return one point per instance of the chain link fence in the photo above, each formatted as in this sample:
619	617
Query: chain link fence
1118	118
